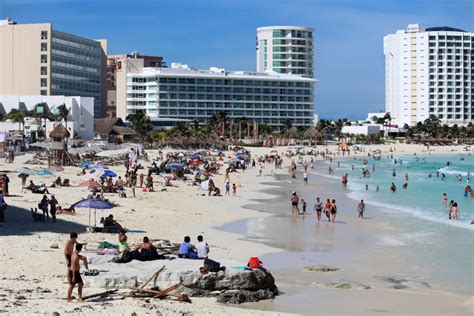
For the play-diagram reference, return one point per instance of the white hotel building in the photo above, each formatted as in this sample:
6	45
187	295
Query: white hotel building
429	71
184	93
285	50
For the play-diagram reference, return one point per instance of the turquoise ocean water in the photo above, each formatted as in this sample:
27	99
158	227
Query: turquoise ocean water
424	195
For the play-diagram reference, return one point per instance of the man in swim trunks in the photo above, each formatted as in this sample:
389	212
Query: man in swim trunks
74	275
69	249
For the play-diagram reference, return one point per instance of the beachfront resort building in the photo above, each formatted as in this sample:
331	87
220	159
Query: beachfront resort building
114	62
285	50
36	59
429	71
182	93
80	122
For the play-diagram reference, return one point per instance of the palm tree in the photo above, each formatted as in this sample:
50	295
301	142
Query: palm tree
264	129
218	121
241	122
63	113
17	116
41	111
141	123
287	124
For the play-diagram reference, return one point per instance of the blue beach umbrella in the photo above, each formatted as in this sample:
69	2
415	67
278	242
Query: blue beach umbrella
25	170
108	173
44	172
96	204
86	164
100	166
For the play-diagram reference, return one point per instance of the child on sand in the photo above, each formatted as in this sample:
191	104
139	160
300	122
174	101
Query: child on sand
303	204
234	189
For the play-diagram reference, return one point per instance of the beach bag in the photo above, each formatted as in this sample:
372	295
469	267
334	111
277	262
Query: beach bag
254	263
211	265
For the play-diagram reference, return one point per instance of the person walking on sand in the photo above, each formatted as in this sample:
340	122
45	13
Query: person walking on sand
294	203
445	199
227	188
318	207
327	209
305	177
333	210
234	189
361	209
69	249
75	274
53	204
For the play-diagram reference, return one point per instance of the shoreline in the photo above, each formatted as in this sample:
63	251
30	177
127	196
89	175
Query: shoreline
381	225
171	215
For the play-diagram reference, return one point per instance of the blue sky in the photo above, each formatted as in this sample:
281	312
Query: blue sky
349	61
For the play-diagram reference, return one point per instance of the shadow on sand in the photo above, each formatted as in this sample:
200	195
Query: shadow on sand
19	221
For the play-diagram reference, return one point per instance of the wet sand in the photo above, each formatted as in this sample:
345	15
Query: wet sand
358	247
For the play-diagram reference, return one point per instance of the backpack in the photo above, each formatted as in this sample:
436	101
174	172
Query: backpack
211	265
254	263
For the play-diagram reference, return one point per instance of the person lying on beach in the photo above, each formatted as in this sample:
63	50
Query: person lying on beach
74	275
67	210
187	250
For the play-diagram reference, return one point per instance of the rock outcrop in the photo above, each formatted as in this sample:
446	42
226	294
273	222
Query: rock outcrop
230	286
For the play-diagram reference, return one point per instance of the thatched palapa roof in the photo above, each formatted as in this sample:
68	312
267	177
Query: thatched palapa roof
59	132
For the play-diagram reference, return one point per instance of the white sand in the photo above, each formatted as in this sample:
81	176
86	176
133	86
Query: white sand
32	270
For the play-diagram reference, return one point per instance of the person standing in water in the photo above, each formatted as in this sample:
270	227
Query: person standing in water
318	207
303	204
445	199
327	209
333	210
294	203
393	188
361	209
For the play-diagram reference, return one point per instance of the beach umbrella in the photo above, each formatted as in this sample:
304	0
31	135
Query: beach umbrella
55	168
195	163
44	172
86	164
90	184
95	204
100	166
108	173
25	170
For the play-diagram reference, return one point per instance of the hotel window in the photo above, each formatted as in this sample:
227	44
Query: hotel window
44	92
44	59
44	71
44	47
44	82
44	35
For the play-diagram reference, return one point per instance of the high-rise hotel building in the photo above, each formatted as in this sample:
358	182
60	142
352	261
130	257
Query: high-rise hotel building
36	59
285	50
429	71
184	93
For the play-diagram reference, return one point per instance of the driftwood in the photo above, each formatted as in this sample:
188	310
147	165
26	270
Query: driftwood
155	275
165	292
101	295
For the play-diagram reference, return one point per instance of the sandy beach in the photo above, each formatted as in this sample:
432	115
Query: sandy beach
33	279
